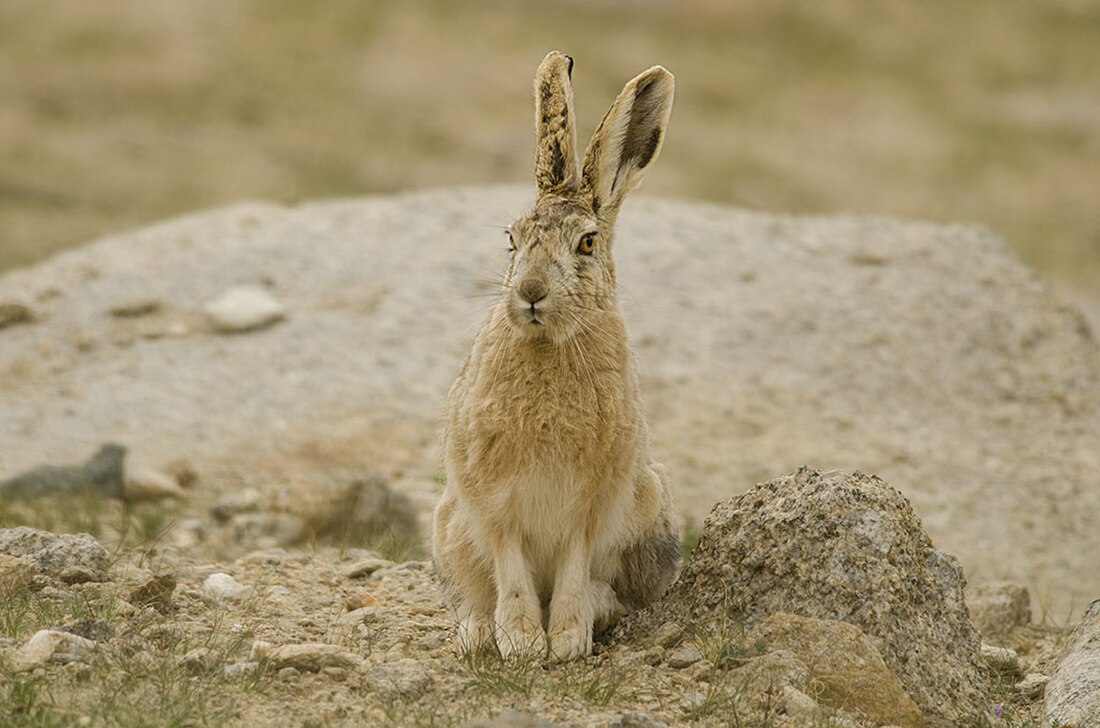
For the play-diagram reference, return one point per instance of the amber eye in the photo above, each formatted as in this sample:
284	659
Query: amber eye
511	242
587	244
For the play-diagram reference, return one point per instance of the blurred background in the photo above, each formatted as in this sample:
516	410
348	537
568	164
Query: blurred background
117	113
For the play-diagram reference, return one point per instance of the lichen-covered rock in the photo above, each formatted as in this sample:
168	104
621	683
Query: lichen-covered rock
1073	692
71	557
838	547
998	607
846	665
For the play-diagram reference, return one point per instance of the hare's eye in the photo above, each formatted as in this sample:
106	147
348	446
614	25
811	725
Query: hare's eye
587	244
511	242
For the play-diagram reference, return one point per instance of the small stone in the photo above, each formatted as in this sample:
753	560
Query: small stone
234	669
313	656
197	661
1002	661
244	308
223	586
136	307
694	699
363	615
288	674
654	656
360	599
366	567
49	645
405	678
231	504
155	592
183	472
260	651
997	608
701	671
683	656
1033	685
146	484
96	629
668	634
12	313
637	720
798	704
268	528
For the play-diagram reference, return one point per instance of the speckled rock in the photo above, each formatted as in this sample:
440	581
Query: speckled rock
1073	692
838	547
846	665
223	586
73	558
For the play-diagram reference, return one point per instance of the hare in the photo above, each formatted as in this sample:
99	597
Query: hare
554	520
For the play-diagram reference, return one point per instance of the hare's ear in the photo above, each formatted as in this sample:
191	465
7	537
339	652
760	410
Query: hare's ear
556	167
628	139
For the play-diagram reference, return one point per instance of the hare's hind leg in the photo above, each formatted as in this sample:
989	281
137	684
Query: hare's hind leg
466	579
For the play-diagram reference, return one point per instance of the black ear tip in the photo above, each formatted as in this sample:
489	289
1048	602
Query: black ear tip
570	69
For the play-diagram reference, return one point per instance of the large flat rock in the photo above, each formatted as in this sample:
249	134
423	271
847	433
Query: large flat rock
926	354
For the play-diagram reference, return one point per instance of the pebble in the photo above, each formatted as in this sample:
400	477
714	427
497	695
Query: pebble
360	599
239	668
196	661
231	504
366	567
314	656
654	656
1032	685
12	313
244	308
683	656
1001	660
223	586
668	635
136	307
363	615
288	674
260	651
338	674
147	484
49	645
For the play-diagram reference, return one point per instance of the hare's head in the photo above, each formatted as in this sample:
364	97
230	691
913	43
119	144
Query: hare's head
561	271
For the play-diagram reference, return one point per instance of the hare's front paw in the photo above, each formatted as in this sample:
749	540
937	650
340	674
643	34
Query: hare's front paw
521	640
571	643
475	635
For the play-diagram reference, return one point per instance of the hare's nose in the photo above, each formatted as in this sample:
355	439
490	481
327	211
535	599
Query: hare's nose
533	290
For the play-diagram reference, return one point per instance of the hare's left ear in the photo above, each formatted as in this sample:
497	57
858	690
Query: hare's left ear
556	167
628	139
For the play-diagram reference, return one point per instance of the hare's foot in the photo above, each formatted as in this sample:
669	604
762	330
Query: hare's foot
475	635
573	607
522	641
606	607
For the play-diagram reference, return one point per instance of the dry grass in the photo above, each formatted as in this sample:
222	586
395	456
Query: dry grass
120	112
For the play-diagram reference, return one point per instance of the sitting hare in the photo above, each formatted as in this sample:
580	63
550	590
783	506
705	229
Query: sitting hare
554	520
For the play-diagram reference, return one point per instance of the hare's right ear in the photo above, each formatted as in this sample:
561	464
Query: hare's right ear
628	140
556	167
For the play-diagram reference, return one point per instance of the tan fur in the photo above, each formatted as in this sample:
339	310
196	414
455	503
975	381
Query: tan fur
554	520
